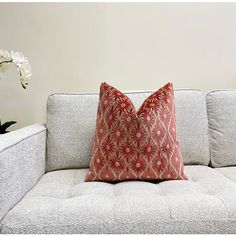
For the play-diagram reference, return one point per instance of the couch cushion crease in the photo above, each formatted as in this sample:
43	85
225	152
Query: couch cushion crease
58	203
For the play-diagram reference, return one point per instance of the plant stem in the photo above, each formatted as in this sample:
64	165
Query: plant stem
6	61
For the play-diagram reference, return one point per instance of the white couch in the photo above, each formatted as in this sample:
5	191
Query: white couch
42	188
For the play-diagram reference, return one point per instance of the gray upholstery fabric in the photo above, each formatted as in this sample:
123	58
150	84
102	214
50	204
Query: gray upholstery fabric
62	203
192	126
71	123
221	107
229	172
22	163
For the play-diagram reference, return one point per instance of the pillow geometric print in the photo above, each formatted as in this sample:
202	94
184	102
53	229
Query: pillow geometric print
135	145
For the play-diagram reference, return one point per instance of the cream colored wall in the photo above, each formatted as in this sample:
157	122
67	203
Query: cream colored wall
74	47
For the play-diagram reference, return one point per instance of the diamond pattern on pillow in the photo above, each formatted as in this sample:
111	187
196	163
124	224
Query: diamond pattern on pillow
135	145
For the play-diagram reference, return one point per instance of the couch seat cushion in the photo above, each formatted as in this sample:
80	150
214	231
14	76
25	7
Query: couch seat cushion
63	203
229	172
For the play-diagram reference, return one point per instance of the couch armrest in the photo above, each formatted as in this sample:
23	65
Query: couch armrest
22	163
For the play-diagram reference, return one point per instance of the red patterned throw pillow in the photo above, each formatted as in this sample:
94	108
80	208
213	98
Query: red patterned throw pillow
135	145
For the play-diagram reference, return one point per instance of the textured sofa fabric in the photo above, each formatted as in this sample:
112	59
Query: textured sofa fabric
192	126
71	123
70	118
22	164
63	203
229	172
221	107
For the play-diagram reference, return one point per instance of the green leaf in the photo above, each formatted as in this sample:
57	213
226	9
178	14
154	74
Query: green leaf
6	125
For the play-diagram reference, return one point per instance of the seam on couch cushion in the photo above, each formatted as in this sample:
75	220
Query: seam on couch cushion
220	90
208	130
12	145
126	92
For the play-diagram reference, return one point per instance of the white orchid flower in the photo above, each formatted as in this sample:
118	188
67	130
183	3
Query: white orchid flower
24	81
18	58
4	56
25	71
21	62
5	61
23	67
4	67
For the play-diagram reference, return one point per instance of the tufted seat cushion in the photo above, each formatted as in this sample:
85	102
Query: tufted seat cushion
63	203
229	172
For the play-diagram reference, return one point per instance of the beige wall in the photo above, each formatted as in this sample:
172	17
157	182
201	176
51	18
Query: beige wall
74	47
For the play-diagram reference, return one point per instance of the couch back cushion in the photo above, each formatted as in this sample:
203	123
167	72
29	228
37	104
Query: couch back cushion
221	107
71	121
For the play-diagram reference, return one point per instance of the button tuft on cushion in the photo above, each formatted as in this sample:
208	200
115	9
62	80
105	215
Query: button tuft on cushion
92	188
77	206
135	188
